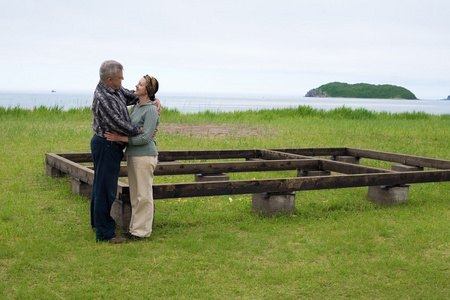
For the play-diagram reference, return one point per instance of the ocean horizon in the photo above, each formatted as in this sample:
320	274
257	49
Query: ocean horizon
193	103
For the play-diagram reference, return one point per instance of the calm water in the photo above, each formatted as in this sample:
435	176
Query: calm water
198	103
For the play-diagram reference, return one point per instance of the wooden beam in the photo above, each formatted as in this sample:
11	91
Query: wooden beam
82	157
206	154
234	166
78	157
314	151
401	158
275	154
326	164
348	168
69	167
213	188
177	155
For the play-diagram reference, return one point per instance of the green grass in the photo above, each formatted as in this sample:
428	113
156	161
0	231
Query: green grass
336	244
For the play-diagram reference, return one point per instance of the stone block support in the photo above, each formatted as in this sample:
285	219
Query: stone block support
406	168
53	172
81	188
211	177
388	194
272	203
121	213
346	159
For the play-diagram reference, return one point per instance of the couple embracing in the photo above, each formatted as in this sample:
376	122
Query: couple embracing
116	130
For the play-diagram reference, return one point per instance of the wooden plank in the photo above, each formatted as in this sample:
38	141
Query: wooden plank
213	188
234	166
325	164
274	154
348	168
206	154
314	151
81	157
177	155
69	167
401	158
217	154
82	173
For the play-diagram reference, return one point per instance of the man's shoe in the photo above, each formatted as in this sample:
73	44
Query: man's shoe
117	240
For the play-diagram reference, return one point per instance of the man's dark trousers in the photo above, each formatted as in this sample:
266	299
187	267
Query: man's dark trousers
107	157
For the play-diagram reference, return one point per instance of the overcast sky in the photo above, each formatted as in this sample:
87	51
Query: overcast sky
266	47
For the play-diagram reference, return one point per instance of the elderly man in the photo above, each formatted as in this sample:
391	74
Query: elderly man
110	112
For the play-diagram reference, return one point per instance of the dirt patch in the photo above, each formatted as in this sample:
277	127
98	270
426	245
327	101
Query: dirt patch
212	130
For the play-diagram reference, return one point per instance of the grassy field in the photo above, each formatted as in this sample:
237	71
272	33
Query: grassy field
336	245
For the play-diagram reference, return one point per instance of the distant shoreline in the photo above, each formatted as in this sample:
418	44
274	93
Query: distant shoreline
191	103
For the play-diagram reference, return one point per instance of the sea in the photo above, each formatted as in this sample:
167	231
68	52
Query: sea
193	103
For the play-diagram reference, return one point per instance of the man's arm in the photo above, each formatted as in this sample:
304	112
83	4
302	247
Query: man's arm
158	105
115	120
132	99
129	95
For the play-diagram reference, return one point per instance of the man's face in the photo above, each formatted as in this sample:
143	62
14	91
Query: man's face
115	82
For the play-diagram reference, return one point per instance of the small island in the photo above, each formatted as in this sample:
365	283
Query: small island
361	90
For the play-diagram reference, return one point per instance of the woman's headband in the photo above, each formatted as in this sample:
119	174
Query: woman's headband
151	85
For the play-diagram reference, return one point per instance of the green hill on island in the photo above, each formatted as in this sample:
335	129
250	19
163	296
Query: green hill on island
361	90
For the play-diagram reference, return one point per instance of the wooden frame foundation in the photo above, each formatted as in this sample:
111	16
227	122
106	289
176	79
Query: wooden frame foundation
343	174
317	168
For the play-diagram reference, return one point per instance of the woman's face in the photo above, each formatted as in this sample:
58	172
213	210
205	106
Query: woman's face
140	88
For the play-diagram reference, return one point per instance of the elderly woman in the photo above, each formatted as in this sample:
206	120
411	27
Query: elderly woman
142	158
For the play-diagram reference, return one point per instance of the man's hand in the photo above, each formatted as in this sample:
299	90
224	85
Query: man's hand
115	137
158	105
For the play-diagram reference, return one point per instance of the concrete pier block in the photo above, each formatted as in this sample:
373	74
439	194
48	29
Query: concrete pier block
272	203
406	168
346	159
121	213
211	177
53	172
81	188
388	194
302	173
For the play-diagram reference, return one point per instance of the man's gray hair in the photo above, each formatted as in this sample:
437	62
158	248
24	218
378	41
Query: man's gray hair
109	69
